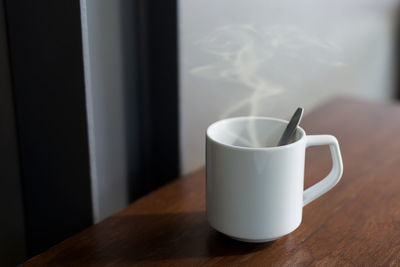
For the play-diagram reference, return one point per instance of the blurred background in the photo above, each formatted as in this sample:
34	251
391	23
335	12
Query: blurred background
268	57
103	101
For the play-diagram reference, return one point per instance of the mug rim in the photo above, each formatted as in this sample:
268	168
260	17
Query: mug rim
303	134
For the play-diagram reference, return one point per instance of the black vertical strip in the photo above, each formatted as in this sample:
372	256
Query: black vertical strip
139	184
12	227
396	67
156	35
48	80
163	68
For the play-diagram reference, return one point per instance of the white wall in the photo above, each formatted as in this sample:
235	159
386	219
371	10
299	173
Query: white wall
107	30
268	57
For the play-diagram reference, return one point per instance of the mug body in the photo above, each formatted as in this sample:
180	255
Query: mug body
254	189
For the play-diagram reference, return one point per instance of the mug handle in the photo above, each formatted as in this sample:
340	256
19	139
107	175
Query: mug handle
334	175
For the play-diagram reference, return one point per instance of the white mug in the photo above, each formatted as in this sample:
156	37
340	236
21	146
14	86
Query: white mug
254	189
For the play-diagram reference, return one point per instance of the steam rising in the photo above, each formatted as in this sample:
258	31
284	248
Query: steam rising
246	55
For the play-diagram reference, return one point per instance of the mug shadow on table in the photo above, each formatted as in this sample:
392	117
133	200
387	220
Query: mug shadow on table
154	237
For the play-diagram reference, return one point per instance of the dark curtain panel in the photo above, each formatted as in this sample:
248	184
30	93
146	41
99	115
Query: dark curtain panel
12	231
46	64
156	31
48	82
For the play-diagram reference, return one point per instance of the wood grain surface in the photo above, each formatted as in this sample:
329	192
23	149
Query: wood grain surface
357	223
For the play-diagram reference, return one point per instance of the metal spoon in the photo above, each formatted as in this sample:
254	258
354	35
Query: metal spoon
291	127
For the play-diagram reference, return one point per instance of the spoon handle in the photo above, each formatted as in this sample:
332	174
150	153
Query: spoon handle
291	127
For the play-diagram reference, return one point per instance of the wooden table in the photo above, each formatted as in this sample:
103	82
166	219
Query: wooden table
356	223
